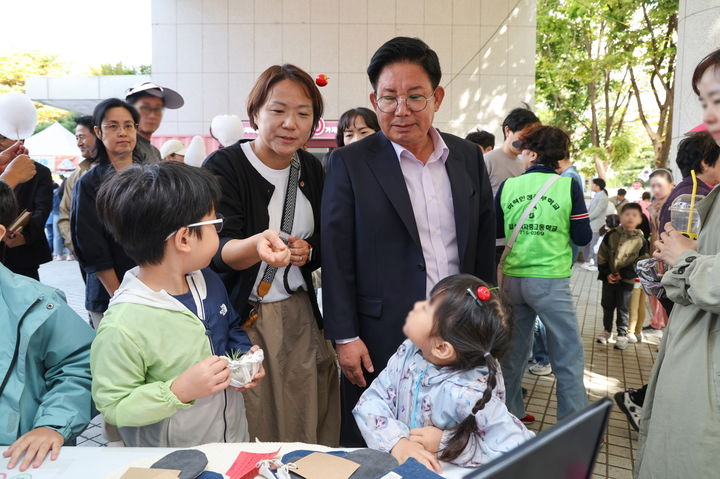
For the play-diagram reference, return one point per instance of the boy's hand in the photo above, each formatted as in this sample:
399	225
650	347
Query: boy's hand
202	379
272	250
258	376
35	445
405	449
300	251
255	380
428	437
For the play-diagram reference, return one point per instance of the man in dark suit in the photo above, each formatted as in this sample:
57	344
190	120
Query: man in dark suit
401	210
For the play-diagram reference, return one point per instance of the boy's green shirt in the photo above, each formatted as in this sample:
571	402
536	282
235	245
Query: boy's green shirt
137	354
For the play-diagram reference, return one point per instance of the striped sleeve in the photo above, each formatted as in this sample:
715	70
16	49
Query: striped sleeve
580	231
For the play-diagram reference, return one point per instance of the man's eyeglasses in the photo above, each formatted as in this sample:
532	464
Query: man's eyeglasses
146	110
217	222
115	127
415	103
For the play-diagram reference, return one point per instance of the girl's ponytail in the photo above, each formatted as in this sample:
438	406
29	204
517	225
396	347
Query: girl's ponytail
476	321
462	433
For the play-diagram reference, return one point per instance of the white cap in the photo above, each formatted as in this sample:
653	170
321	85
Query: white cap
172	146
172	99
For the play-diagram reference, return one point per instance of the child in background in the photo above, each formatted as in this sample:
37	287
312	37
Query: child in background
441	395
619	252
156	365
638	298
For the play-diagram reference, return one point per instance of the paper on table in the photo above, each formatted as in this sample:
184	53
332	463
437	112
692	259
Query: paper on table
325	466
143	473
246	463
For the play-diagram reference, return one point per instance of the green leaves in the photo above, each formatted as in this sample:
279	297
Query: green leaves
586	50
234	355
121	69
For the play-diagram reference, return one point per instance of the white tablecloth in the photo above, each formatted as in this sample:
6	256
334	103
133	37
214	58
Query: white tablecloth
112	462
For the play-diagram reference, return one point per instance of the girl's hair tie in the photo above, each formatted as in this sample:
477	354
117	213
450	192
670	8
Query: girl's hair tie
481	294
486	354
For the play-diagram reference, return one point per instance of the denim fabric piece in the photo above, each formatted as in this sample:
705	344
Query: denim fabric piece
189	462
210	475
411	469
373	463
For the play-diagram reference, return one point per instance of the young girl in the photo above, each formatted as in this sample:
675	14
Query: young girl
442	393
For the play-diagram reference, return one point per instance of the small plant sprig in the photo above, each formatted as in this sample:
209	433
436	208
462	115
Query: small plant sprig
234	355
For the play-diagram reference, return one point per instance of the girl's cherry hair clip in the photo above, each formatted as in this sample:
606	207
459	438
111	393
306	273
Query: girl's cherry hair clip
481	294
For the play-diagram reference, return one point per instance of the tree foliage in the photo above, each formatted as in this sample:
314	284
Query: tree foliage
14	70
598	63
121	69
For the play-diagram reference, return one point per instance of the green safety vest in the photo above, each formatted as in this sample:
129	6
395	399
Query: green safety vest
542	249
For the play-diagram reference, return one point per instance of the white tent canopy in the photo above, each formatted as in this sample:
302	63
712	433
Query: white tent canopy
54	140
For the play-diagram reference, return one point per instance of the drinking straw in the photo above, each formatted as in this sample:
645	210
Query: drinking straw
692	205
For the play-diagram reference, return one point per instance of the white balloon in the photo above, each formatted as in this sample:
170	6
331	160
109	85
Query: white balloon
195	154
18	116
227	129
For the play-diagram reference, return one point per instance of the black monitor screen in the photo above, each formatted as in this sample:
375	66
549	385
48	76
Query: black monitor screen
567	450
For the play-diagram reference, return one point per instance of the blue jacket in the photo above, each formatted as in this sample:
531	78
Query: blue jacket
49	382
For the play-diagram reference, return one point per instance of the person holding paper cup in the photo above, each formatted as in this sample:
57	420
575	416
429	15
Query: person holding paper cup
684	387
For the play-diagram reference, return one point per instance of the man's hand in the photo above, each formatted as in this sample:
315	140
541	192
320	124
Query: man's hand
672	244
428	437
14	239
353	357
35	445
405	449
202	379
272	250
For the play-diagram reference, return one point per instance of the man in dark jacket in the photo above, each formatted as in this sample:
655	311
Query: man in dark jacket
401	210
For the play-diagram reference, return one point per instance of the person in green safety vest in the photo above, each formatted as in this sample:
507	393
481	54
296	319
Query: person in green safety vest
538	267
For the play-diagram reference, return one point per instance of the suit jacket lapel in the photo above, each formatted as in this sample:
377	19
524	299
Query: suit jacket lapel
462	190
383	162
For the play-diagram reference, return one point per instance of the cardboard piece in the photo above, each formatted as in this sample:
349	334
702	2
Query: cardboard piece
145	473
325	466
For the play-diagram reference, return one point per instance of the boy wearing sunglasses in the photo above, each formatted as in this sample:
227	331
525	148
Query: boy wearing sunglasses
158	370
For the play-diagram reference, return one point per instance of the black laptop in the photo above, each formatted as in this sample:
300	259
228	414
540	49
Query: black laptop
566	451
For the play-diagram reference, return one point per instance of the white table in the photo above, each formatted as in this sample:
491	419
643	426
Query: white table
112	462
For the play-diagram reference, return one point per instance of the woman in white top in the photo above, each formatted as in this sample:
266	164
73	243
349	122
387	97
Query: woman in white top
271	182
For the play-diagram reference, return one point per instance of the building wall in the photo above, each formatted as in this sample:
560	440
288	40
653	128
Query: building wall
211	51
698	35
